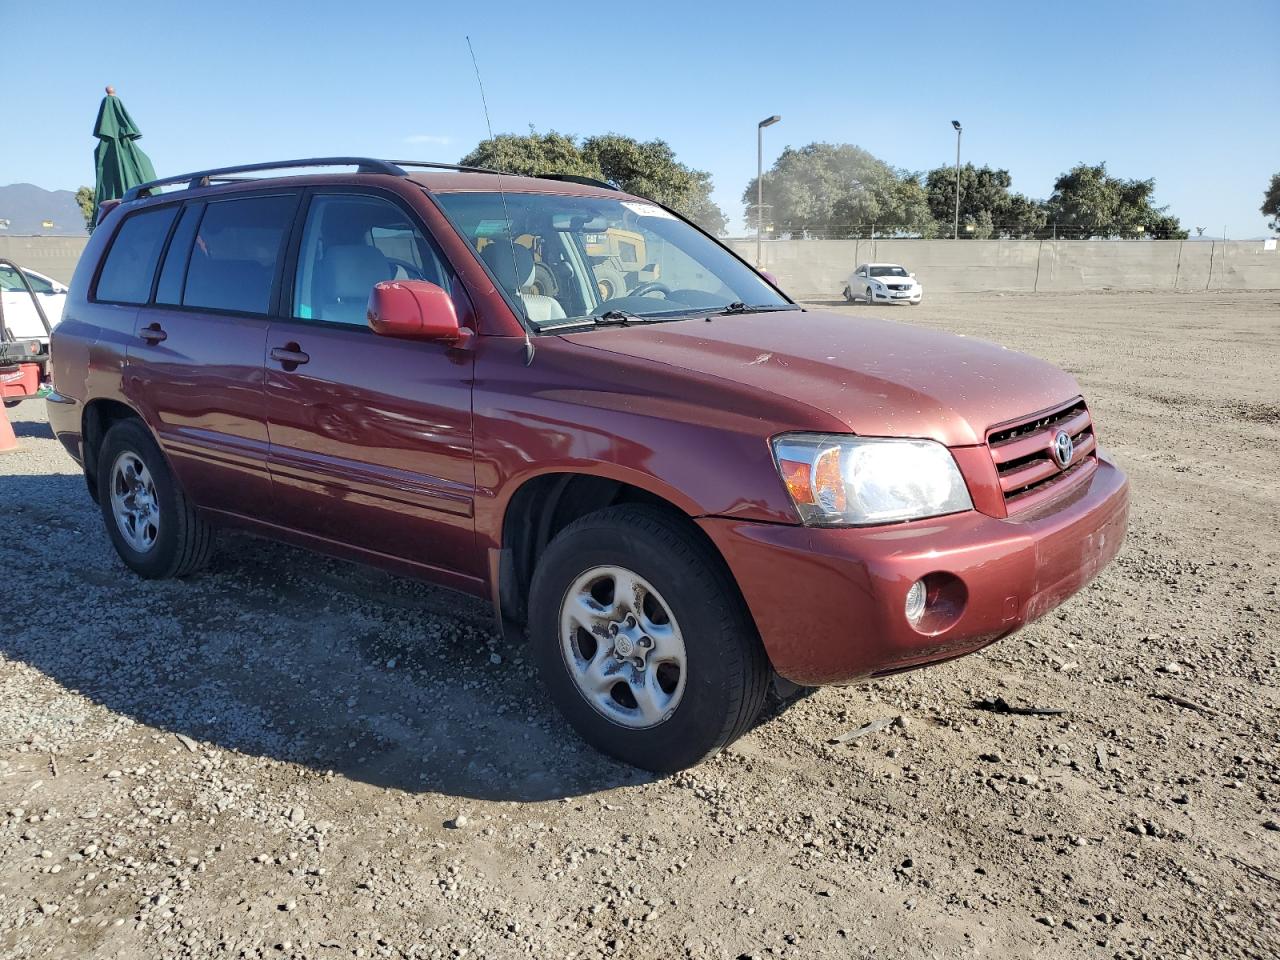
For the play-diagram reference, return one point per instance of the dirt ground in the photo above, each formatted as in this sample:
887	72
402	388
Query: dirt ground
293	757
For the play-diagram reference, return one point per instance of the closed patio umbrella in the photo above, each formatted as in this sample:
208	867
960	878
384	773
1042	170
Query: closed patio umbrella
118	161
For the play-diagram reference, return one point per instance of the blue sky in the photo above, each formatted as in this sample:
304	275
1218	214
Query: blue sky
1188	93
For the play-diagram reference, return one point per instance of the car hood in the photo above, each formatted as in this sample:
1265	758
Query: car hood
907	280
873	377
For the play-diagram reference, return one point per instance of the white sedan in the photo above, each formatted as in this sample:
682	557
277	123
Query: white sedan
883	283
20	316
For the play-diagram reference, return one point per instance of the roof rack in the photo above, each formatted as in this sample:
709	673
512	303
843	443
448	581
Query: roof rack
432	165
562	177
574	178
201	178
395	168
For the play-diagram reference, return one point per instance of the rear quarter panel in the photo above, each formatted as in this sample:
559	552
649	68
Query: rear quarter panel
88	347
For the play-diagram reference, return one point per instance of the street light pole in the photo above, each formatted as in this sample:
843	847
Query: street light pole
768	122
956	234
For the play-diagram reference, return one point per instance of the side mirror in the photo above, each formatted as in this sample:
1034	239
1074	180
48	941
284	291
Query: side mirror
769	276
414	310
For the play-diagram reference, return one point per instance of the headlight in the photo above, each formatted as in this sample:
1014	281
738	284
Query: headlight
852	481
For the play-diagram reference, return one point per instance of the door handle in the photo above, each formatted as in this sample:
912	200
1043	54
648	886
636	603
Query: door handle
153	333
290	355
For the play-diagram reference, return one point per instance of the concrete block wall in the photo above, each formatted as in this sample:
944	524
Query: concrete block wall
819	268
53	256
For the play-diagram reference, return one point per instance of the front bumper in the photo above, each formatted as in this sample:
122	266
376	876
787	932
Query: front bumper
829	602
897	296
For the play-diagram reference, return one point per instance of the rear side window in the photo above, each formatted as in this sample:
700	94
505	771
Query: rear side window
235	254
131	262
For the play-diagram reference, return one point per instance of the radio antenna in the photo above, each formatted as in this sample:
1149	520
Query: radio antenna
506	213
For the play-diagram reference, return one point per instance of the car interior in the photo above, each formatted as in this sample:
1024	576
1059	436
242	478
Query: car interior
350	244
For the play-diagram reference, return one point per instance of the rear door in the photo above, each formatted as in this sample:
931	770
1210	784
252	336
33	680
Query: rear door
195	369
371	437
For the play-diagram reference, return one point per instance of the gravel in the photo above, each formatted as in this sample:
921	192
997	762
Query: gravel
290	756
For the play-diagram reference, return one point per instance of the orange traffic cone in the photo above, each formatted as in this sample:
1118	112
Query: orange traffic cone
7	439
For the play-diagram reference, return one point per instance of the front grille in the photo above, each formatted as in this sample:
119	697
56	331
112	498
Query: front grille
898	286
1024	458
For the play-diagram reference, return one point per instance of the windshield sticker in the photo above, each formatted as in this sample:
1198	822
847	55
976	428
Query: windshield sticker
647	210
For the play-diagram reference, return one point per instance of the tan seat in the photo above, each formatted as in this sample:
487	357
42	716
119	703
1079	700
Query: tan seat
513	265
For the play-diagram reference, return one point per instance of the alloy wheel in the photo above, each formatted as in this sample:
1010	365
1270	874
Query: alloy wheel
134	502
622	647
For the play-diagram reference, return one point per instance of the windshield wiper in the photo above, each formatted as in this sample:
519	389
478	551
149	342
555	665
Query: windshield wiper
617	318
609	318
738	307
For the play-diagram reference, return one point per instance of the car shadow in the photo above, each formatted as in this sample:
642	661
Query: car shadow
23	426
277	652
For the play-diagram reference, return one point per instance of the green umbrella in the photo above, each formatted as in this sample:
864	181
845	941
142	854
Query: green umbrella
118	160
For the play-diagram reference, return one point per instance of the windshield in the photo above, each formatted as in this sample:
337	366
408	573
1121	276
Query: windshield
570	259
888	272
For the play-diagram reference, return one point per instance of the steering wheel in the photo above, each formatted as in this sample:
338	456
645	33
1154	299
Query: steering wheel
650	287
412	269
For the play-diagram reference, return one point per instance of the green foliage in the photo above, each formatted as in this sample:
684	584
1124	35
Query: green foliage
1087	202
531	154
84	197
1271	202
986	203
839	190
647	169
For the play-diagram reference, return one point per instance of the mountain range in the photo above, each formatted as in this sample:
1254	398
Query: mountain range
26	207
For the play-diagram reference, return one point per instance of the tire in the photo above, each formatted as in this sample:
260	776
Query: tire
159	534
871	298
848	295
723	675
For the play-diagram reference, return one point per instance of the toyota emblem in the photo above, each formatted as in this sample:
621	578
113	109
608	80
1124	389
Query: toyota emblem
1064	448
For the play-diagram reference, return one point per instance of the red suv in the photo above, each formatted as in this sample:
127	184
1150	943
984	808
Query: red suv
571	401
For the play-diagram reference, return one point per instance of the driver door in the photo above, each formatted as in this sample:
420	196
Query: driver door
370	436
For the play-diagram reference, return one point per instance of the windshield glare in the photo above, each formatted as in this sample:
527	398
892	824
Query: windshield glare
888	272
572	258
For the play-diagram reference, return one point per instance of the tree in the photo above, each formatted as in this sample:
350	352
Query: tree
839	190
84	197
1271	202
986	202
531	155
1088	202
647	169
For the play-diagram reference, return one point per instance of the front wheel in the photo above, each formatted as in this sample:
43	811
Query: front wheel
153	526
871	297
642	640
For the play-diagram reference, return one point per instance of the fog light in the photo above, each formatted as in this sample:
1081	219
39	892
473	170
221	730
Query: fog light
915	602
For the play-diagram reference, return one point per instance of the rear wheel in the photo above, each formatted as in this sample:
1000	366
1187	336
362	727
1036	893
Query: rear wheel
642	639
153	526
848	295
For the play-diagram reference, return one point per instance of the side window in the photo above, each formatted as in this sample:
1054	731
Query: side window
236	250
174	271
131	262
350	243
